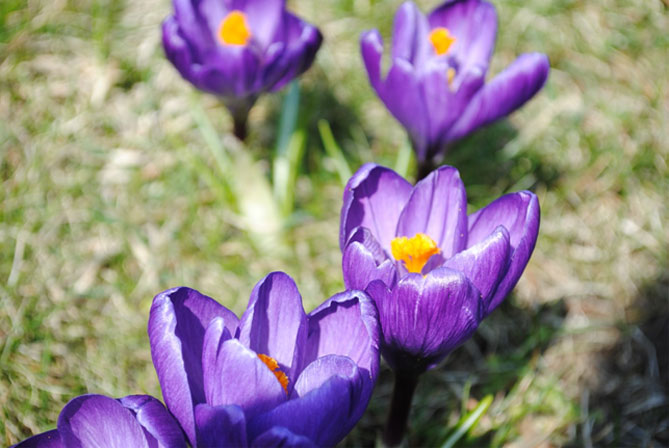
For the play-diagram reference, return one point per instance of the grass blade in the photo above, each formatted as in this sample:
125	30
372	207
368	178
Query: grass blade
334	151
468	422
250	192
212	140
403	161
288	122
283	174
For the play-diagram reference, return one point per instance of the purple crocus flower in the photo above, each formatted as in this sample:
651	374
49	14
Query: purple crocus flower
433	271
277	377
97	420
238	49
435	86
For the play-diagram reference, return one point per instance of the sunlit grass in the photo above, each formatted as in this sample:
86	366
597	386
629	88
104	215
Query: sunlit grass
113	190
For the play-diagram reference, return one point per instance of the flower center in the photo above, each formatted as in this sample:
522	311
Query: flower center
233	29
414	251
274	367
441	40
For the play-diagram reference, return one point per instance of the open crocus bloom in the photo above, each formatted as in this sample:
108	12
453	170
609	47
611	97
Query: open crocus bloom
433	271
97	420
435	86
277	377
237	49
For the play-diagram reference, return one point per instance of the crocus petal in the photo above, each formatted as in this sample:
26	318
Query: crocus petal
210	79
220	426
177	324
275	323
365	237
505	93
49	439
96	420
371	48
373	198
273	68
443	105
322	415
241	379
425	318
212	13
265	19
485	263
402	93
282	438
298	56
177	49
473	23
347	325
158	424
519	214
322	369
446	100
194	29
438	208
410	35
231	68
359	267
215	335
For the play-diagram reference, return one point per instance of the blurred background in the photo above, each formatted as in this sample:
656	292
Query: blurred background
119	181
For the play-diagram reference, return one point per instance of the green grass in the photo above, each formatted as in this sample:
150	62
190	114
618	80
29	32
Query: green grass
112	192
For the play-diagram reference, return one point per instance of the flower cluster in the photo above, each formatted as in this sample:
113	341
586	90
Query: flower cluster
421	273
275	377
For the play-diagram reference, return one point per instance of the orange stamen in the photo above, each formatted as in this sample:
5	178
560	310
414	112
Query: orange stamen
234	30
274	367
441	40
414	252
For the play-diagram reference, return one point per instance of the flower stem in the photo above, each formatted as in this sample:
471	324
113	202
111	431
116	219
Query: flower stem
240	126
400	406
425	167
239	109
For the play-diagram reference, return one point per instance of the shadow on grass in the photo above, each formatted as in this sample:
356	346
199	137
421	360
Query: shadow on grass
503	350
489	167
629	405
317	102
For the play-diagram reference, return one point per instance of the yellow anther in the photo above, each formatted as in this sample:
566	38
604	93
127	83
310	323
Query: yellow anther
274	367
414	251
450	74
233	29
441	40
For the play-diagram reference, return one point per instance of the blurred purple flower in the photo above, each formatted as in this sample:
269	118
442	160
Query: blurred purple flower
277	377
435	86
433	271
97	420
238	49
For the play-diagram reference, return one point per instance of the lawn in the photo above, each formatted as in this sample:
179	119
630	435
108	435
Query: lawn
120	181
